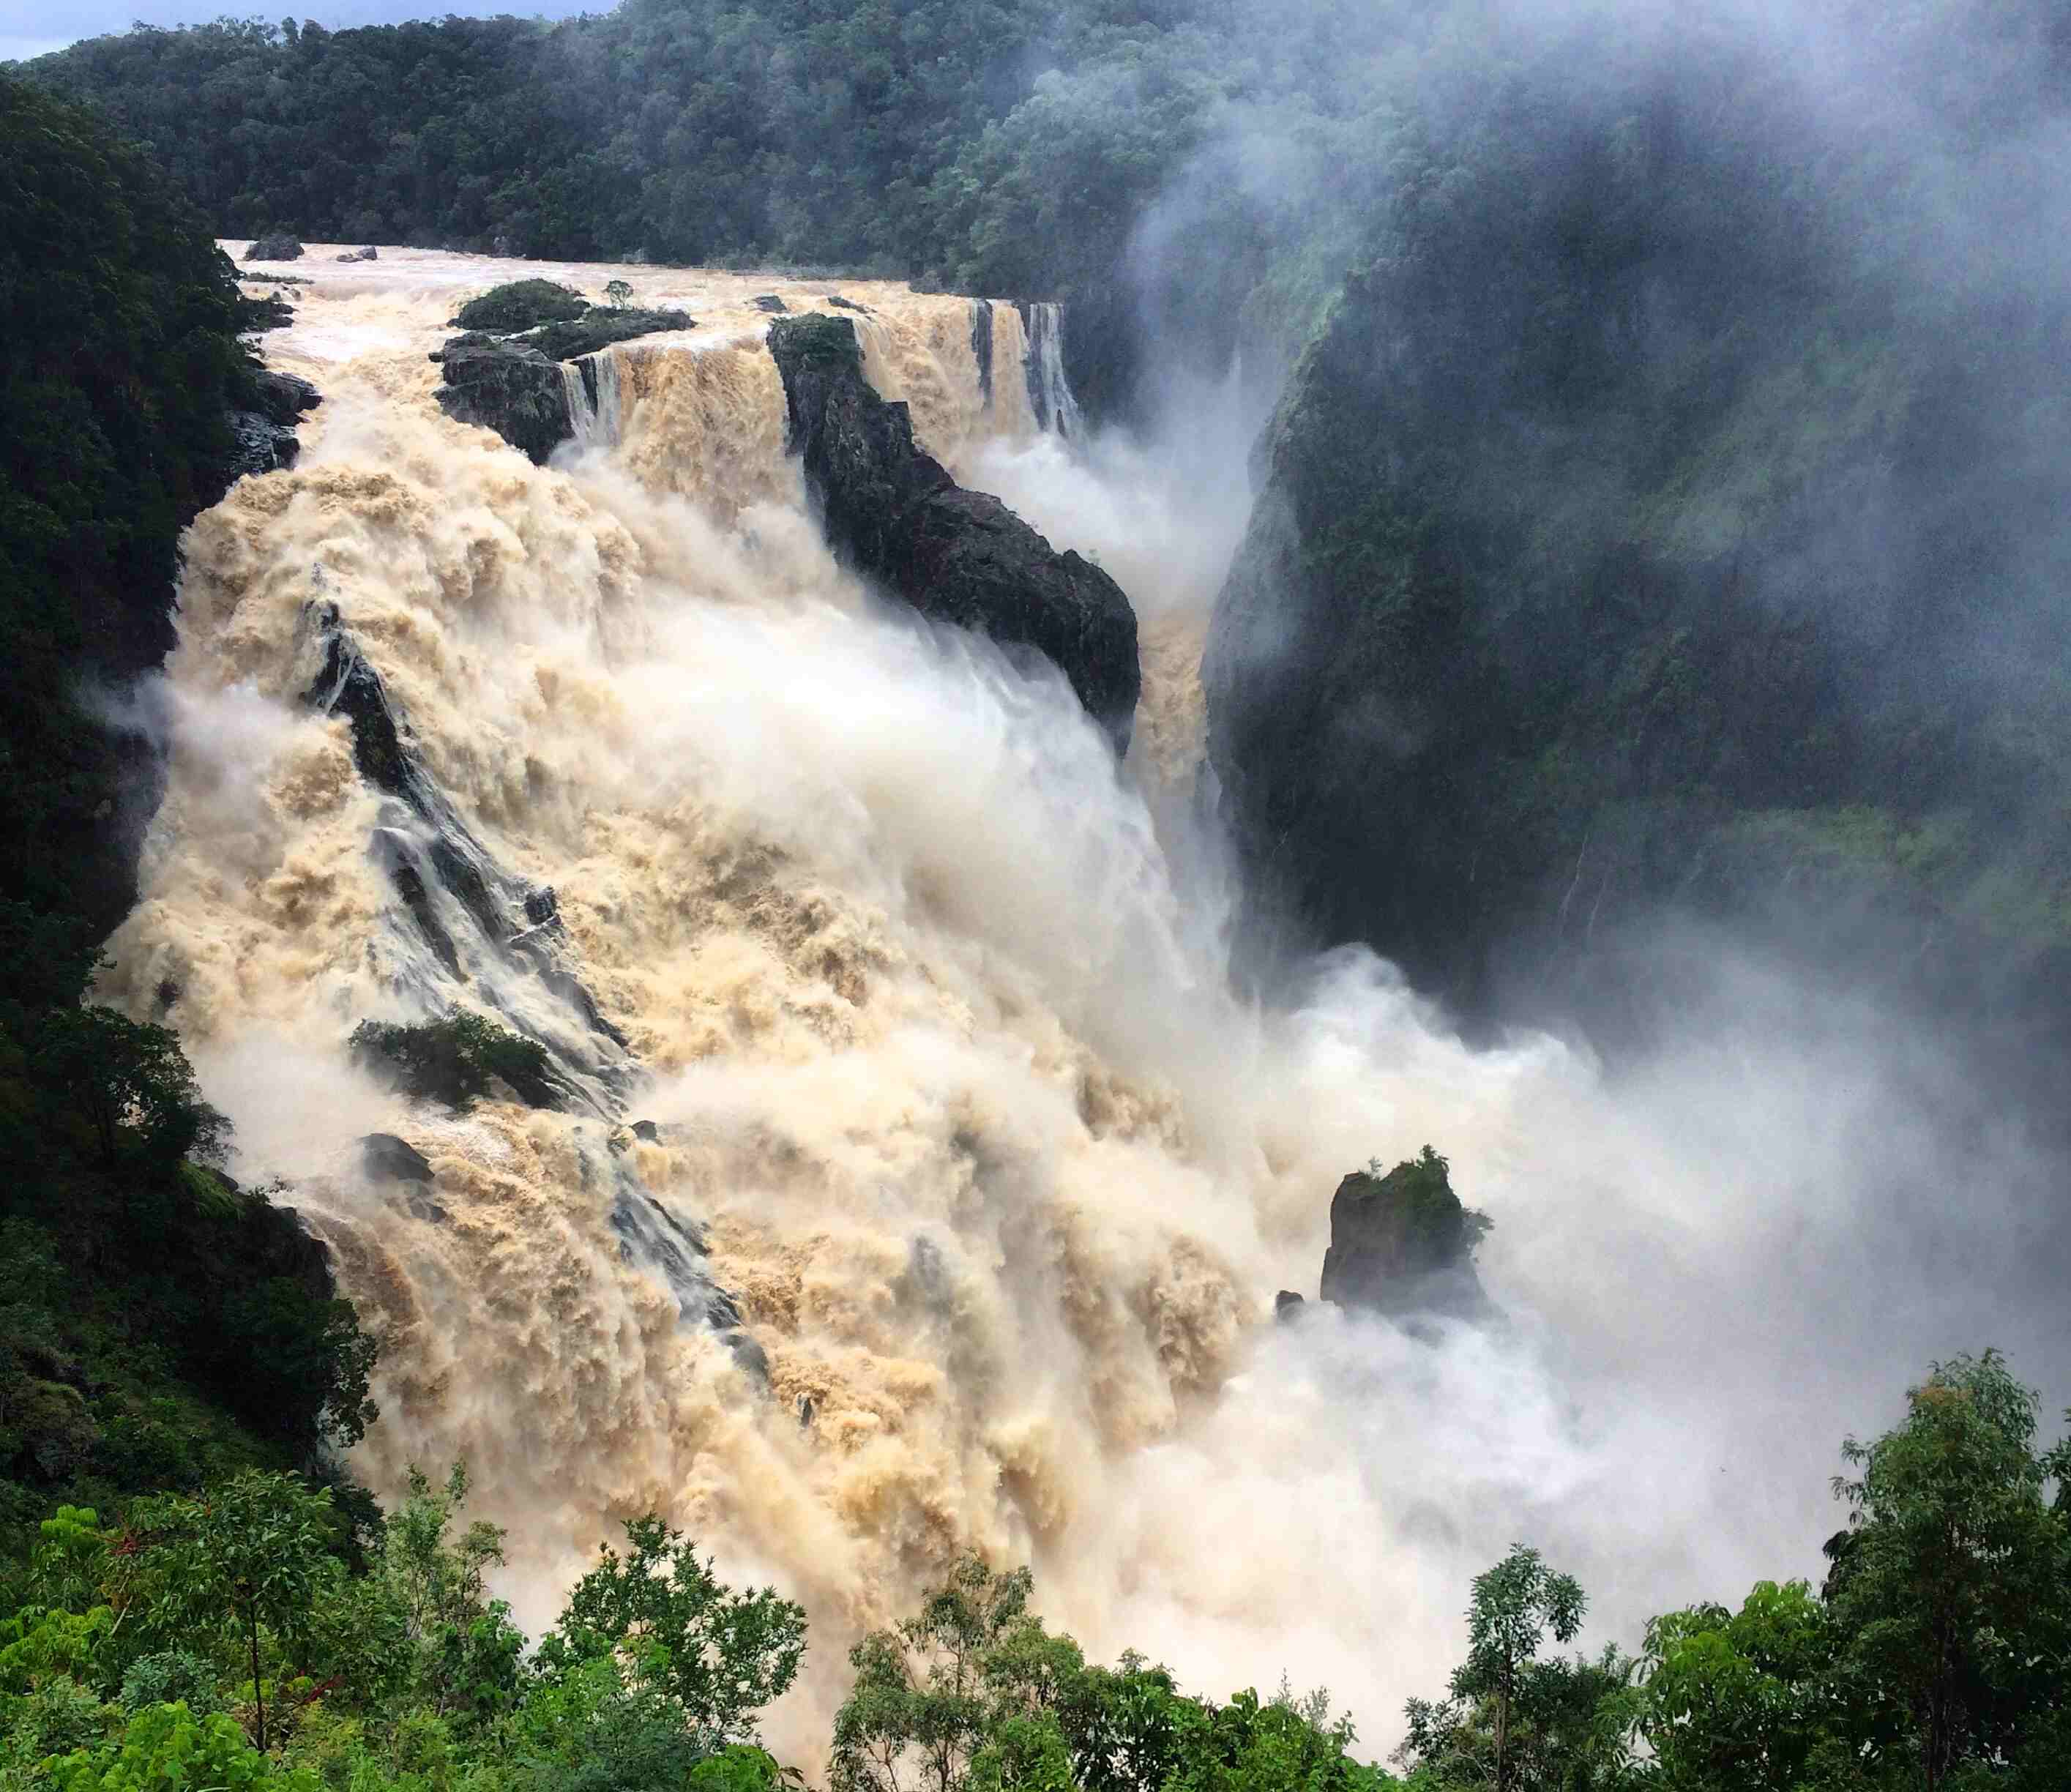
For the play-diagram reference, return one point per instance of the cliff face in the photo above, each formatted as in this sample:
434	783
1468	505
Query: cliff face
1630	534
895	515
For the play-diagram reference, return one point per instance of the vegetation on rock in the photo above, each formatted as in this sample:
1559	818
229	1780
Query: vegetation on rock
1403	1243
520	303
456	1060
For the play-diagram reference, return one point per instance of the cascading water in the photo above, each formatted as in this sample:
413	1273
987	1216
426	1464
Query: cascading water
1049	391
953	1125
596	400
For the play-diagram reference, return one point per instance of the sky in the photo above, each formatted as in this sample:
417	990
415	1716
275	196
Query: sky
33	27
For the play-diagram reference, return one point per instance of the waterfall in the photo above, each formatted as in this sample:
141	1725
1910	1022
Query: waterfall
907	1074
582	407
592	387
1049	391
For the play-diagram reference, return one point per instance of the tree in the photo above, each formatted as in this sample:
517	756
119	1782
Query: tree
1502	1694
1951	1594
920	1691
674	1627
252	1550
973	1692
1737	1701
619	292
462	1649
128	1076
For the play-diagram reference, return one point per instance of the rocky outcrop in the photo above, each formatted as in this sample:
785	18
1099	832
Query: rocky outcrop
597	329
265	433
895	515
1402	1244
367	254
277	245
515	383
282	397
510	388
477	923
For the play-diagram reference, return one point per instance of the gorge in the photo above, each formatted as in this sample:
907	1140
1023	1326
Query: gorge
955	1133
1253	820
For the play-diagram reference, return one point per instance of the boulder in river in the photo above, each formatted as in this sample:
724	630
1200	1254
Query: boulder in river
275	245
388	1159
893	513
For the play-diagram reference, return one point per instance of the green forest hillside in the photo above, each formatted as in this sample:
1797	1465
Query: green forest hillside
1010	151
1670	518
158	1324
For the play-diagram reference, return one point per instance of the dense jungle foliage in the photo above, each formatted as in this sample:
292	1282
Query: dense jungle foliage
1672	511
1010	151
159	1326
249	1636
118	368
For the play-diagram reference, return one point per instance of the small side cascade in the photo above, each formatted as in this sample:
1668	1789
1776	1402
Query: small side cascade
595	400
1049	391
582	414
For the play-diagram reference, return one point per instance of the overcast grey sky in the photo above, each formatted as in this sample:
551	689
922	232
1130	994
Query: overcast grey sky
30	27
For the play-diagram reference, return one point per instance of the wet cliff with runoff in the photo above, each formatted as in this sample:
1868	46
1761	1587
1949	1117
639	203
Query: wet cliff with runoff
1623	548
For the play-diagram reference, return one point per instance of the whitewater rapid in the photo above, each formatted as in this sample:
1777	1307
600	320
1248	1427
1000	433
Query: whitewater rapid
952	1098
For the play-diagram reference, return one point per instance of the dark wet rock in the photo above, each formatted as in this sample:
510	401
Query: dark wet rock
390	850
648	1130
1403	1244
839	303
513	383
348	686
542	906
513	389
276	245
649	1234
385	1158
264	433
769	301
270	312
599	328
281	398
895	515
422	1207
753	1360
261	444
1287	1305
474	918
368	254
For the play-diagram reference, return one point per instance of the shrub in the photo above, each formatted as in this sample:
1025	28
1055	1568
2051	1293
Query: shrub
172	1677
520	303
456	1060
